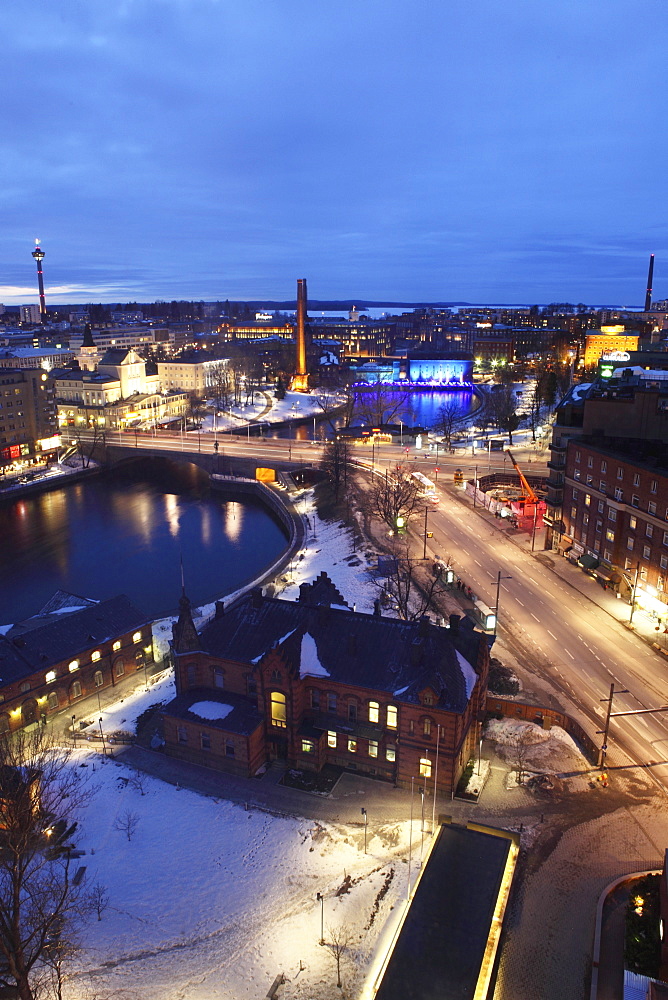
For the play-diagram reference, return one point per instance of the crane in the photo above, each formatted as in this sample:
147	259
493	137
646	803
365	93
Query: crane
530	494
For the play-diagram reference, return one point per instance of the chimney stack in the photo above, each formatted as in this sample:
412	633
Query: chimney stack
650	275
300	381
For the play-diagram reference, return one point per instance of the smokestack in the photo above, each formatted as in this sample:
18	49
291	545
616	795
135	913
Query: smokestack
300	380
650	275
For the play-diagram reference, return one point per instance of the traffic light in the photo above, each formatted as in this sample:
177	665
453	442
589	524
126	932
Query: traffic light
400	524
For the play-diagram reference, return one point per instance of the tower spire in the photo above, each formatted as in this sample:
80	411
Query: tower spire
650	275
39	255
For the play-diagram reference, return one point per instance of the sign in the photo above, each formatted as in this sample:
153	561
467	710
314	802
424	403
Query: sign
616	356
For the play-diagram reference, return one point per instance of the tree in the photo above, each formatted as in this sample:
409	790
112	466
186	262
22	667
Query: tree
407	589
336	464
339	942
520	749
447	417
394	499
196	407
39	902
377	405
127	823
505	413
99	899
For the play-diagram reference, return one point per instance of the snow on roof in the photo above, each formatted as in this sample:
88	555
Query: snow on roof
401	690
256	659
470	676
310	665
210	709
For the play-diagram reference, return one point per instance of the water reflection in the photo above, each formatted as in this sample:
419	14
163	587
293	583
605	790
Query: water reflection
122	533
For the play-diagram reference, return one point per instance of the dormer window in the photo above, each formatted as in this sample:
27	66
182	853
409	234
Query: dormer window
73	665
95	655
427	698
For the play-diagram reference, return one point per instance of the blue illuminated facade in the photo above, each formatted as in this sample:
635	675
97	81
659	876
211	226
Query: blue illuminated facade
418	373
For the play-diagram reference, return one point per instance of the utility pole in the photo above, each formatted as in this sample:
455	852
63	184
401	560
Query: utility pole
633	593
606	728
424	550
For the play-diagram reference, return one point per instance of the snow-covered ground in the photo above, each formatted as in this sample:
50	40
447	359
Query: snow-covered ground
267	409
551	751
209	901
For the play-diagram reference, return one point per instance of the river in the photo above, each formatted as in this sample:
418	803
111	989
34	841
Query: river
125	531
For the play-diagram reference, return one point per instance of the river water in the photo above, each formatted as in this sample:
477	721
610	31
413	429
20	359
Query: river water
124	531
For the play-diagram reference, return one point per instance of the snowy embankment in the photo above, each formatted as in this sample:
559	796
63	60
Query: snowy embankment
210	901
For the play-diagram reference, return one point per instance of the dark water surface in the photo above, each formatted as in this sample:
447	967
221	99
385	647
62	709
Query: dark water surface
124	532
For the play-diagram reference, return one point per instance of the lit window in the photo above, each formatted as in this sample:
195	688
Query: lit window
308	746
136	637
278	710
50	677
587	499
331	738
609	535
95	655
352	746
426	727
74	665
425	767
373	748
390	752
391	716
374	711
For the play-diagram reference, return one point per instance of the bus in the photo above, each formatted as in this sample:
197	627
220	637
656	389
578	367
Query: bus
428	490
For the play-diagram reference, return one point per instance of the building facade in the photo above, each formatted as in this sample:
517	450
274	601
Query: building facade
608	339
28	420
312	683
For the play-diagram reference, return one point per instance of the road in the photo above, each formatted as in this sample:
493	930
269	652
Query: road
568	640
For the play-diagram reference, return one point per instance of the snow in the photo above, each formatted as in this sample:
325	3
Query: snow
123	714
4	629
212	902
256	659
310	665
210	710
266	409
401	690
470	676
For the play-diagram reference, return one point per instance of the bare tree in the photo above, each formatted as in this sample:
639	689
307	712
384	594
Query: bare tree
520	749
139	781
395	498
336	464
376	405
505	410
447	417
339	943
408	588
40	793
99	899
127	823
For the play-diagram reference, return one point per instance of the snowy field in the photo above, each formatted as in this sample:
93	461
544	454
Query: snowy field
207	900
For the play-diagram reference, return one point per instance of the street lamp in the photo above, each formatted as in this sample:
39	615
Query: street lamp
424	548
633	593
366	819
321	899
499	578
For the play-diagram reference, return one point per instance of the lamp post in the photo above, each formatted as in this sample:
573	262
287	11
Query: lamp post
74	738
499	578
321	899
424	548
104	745
633	593
366	819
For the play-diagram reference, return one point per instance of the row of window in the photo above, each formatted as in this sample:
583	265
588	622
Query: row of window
353	746
653	486
373	708
204	741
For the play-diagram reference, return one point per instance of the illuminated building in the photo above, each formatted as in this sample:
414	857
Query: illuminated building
28	424
607	339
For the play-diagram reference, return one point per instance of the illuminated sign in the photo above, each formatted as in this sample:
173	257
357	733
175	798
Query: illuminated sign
616	356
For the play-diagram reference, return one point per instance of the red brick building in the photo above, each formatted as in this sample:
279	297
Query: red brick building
615	514
313	683
72	648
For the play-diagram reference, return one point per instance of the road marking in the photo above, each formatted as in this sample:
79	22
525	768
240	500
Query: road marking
552	634
534	616
532	580
570	654
519	602
477	563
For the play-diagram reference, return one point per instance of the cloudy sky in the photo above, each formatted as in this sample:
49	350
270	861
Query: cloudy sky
387	149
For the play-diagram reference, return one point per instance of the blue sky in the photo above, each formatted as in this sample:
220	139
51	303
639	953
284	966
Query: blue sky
487	151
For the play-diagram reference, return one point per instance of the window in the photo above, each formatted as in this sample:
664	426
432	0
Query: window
601	506
352	711
633	522
428	698
576	474
74	665
653	486
627	563
590	462
574	513
620	473
646	551
98	679
609	535
649	530
373	748
629	544
651	507
425	767
391	716
24	686
663	562
95	655
278	710
635	500
218	677
612	514
119	668
618	494
604	466
585	518
374	711
308	746
665	538
636	479
251	684
577	456
229	749
116	645
182	734
643	573
352	746
331	738
607	555
411	728
52	700
50	677
136	637
576	494
587	499
390	752
276	675
205	741
599	524
315	699
590	480
659	583
426	727
331	703
75	689
602	486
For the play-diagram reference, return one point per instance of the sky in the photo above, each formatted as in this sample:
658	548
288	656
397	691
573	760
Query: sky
385	150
